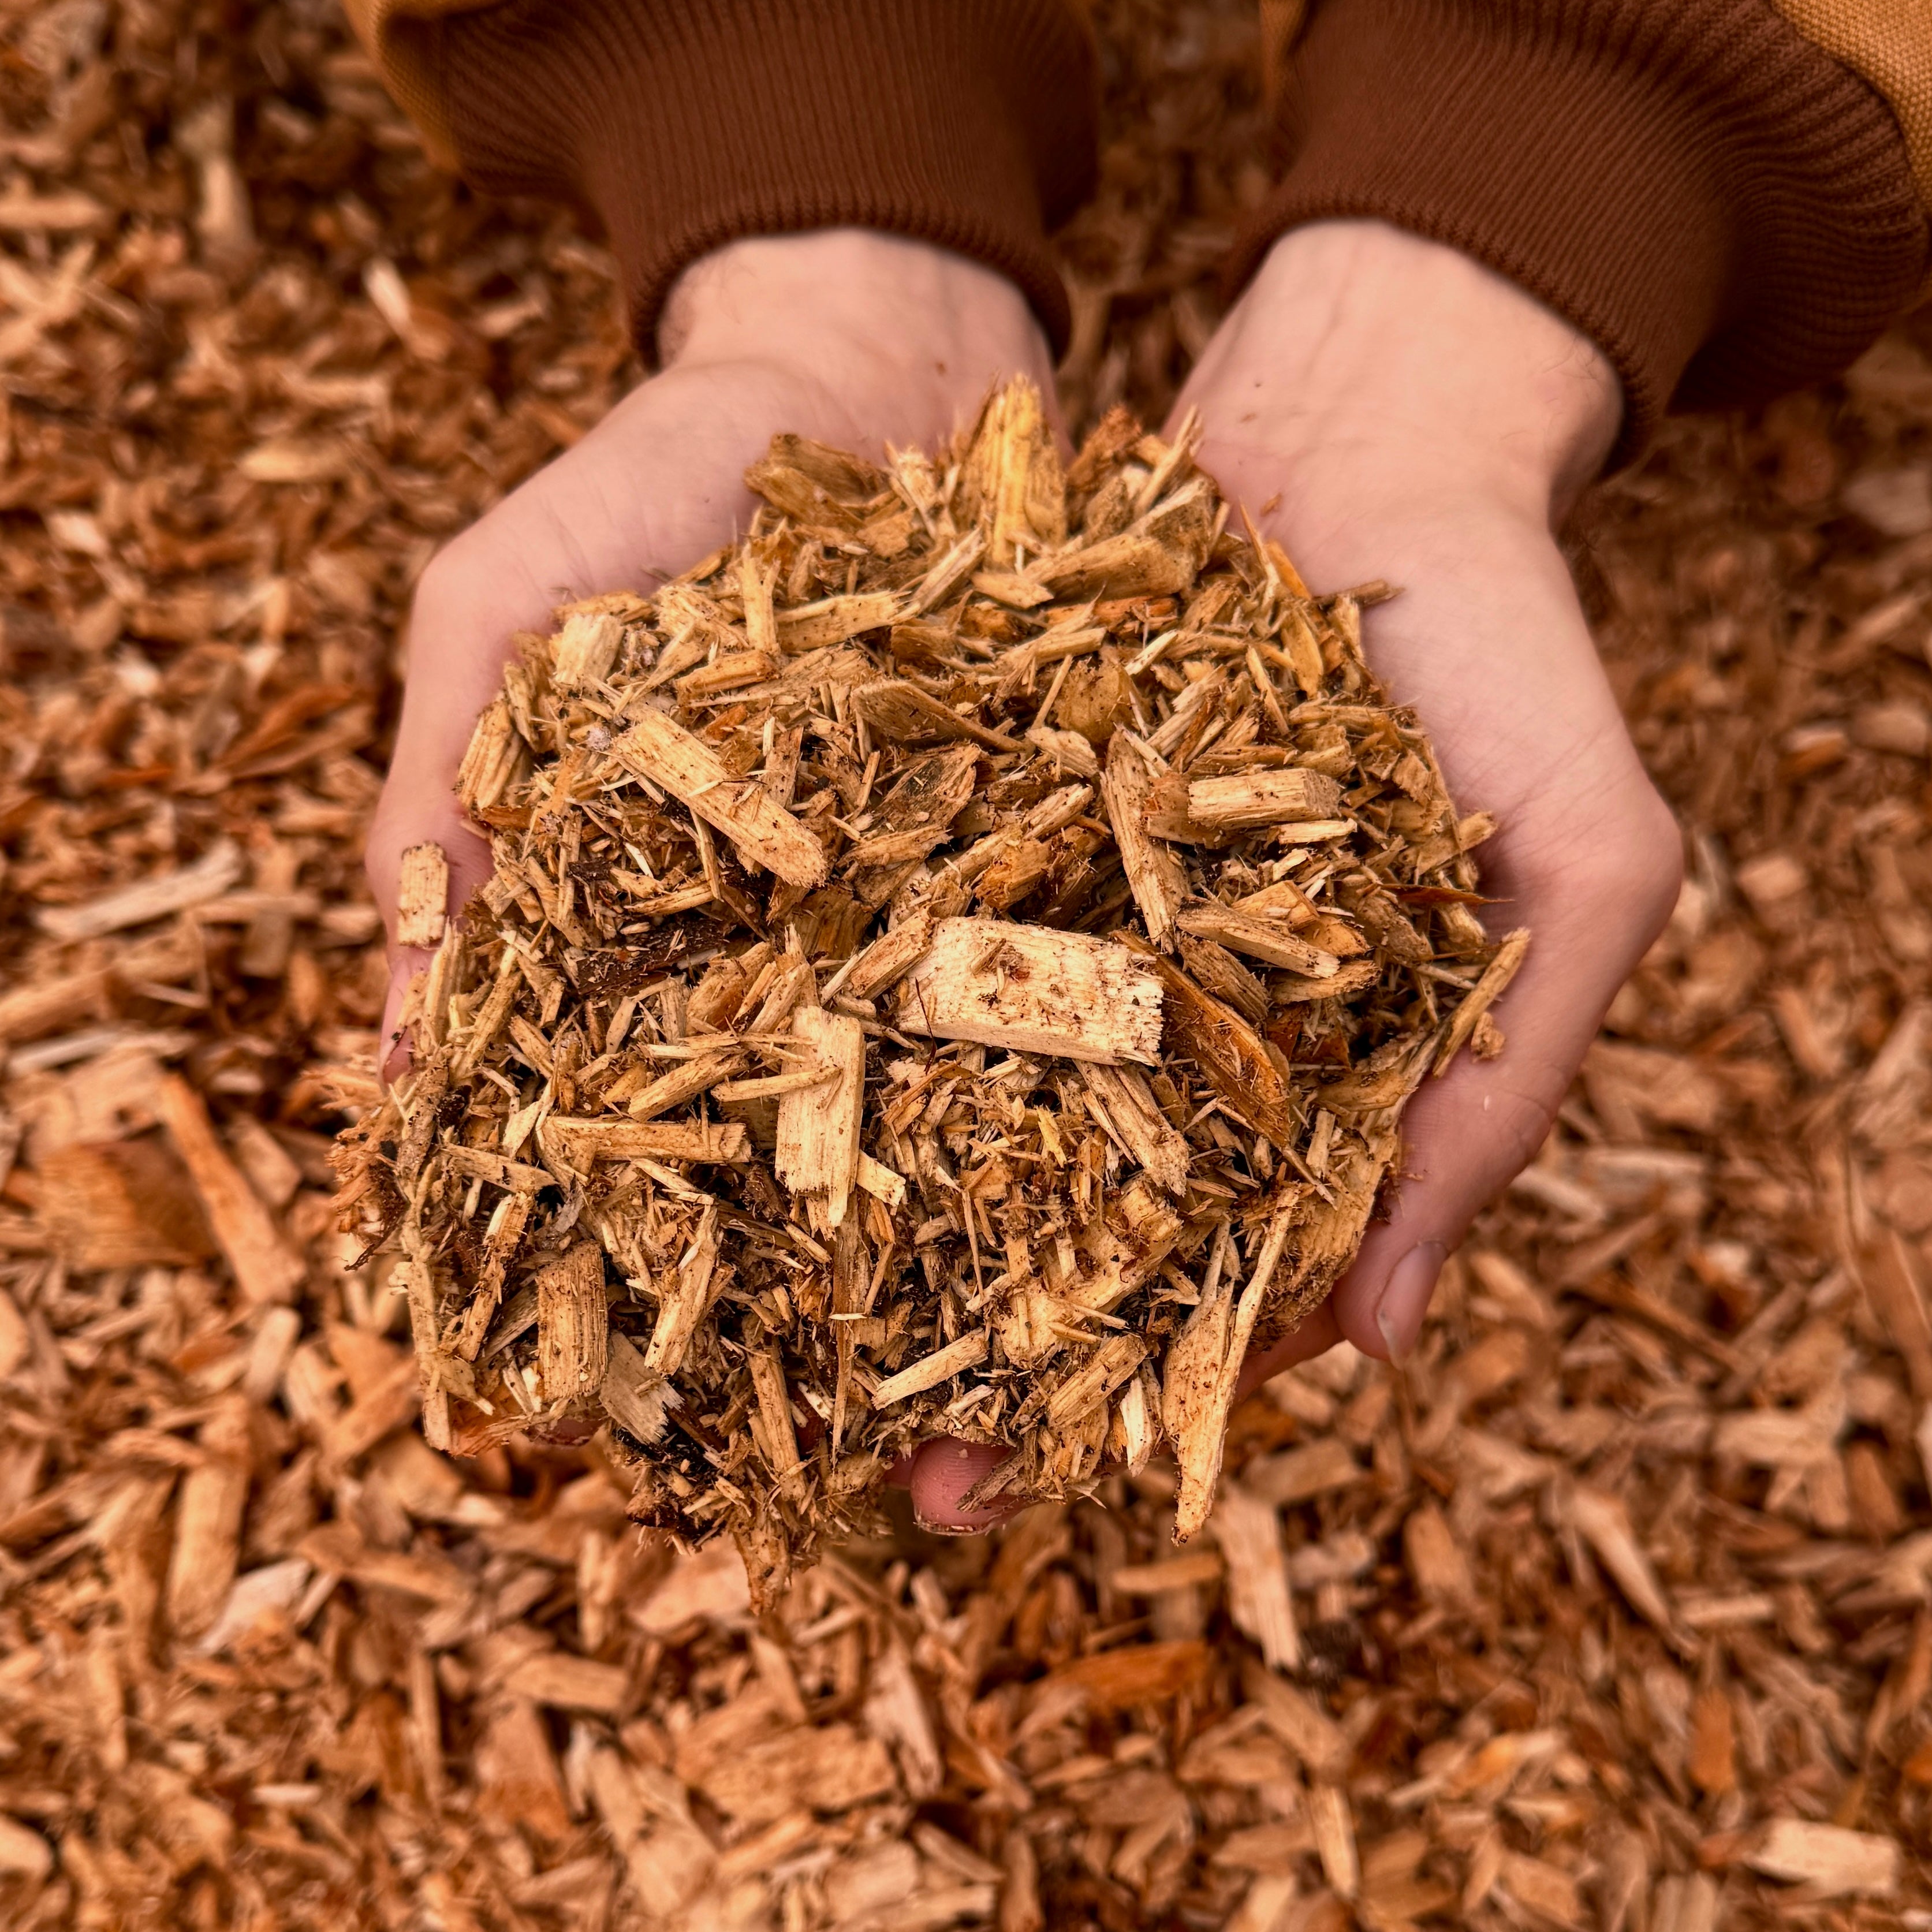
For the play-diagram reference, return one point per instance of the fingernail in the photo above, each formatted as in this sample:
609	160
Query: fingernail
1405	1299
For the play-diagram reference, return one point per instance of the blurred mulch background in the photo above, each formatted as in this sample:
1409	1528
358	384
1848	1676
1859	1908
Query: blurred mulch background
1613	1612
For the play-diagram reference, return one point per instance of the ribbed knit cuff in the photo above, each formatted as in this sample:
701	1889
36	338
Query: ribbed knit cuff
687	124
1725	210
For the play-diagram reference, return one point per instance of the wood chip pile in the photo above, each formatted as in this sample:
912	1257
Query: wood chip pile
919	938
1612	1613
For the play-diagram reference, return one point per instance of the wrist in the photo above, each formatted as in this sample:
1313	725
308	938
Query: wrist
1363	354
865	314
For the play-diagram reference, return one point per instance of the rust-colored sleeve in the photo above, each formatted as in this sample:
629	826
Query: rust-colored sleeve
1728	206
687	124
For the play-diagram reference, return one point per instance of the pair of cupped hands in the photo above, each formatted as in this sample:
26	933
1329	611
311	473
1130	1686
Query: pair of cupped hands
1385	407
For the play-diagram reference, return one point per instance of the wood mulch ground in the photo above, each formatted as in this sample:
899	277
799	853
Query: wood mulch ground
1614	1610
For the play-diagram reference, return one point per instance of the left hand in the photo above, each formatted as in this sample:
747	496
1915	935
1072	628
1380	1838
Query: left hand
1389	408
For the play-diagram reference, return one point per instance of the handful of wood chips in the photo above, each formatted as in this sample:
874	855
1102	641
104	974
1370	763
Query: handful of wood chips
954	967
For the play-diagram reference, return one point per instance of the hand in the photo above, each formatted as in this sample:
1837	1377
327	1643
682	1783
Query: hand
1389	408
847	336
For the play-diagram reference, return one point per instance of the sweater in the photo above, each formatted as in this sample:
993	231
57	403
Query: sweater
1731	197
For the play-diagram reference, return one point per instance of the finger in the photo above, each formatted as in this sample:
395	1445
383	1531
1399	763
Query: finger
1466	1135
941	1472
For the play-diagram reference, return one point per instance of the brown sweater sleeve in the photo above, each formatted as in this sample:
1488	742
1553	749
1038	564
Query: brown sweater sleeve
687	124
1727	209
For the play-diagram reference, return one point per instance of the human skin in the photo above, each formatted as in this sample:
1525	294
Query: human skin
855	338
1387	407
1390	408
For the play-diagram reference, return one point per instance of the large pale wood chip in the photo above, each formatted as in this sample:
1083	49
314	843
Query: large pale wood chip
573	1324
1157	878
579	1142
1489	988
268	1266
640	1399
941	1366
1241	801
818	1125
1829	1858
1033	990
422	895
764	832
1265	939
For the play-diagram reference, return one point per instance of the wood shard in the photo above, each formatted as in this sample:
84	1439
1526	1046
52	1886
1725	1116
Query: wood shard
941	1366
818	1126
422	895
1033	991
1243	800
573	1326
266	1264
763	832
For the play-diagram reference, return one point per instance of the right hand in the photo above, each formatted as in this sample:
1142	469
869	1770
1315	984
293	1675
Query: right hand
847	336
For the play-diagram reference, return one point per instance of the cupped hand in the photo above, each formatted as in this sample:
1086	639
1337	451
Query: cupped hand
852	337
1389	408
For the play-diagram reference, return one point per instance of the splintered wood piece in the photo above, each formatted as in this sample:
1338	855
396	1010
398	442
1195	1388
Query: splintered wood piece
573	1324
764	832
493	760
1265	939
1129	1109
1248	1531
1157	878
584	651
1032	990
832	620
422	895
687	1298
1204	1362
1231	1055
639	1400
1241	801
579	1143
1489	988
267	1265
1013	470
416	1278
941	1366
1094	1381
767	1364
673	1087
818	1125
890	958
902	714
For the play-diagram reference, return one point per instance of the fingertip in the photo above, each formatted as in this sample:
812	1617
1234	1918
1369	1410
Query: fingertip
943	1473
